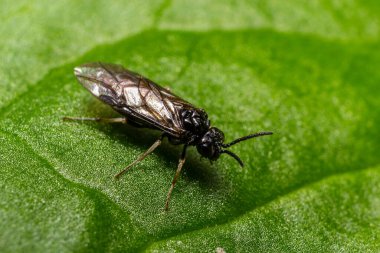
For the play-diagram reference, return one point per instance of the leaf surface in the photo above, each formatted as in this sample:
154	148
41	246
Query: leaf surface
312	186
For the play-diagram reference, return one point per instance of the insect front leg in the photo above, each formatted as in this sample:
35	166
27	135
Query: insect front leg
105	120
141	157
181	162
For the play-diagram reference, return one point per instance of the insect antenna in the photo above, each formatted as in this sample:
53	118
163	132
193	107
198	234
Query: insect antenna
234	156
245	138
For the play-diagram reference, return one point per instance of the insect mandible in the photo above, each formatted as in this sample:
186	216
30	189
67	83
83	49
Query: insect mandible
143	103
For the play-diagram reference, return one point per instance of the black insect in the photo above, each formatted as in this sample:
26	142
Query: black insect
144	103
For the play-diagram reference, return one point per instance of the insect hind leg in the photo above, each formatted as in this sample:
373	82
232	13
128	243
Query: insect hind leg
105	120
181	162
141	157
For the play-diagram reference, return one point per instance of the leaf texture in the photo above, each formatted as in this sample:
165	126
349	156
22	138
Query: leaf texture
307	71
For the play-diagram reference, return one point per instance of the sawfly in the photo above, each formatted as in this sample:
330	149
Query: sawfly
143	103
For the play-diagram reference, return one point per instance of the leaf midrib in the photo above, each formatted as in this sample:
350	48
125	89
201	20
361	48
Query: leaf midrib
265	204
95	194
221	222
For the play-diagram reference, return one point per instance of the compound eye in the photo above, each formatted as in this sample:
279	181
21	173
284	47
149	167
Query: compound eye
216	134
206	150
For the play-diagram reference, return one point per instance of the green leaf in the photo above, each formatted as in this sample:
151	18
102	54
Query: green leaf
307	71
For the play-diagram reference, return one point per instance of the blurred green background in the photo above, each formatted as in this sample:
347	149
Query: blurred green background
307	70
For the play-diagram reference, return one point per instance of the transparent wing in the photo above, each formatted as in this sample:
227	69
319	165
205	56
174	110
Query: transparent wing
141	100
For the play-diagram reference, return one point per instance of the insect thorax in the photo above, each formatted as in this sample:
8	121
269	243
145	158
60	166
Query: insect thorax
196	123
195	120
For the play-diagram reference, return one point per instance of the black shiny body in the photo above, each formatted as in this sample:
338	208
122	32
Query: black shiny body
146	104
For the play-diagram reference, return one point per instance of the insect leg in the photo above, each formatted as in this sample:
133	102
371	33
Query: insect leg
181	162
141	157
105	120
